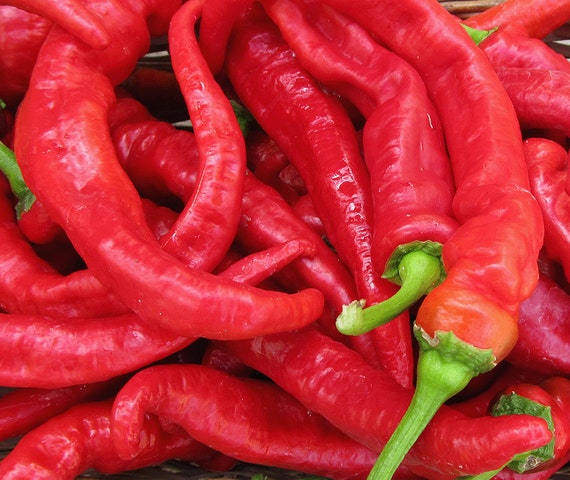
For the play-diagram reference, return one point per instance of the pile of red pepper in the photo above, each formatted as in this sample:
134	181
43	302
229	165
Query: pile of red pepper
309	236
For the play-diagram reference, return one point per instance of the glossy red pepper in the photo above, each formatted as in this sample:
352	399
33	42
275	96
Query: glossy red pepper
285	101
475	308
72	15
366	403
80	439
538	17
548	170
403	146
111	235
249	419
210	218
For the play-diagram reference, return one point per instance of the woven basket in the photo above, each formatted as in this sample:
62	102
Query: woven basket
177	470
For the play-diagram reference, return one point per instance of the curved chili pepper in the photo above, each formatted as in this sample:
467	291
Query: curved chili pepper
535	400
327	377
213	210
160	160
24	409
71	443
547	169
539	18
251	420
472	314
403	147
111	235
317	136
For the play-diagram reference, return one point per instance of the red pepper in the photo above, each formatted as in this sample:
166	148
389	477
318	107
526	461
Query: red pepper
366	403
80	439
468	323
111	234
24	409
249	419
535	400
316	134
540	97
71	15
403	147
212	212
538	17
548	169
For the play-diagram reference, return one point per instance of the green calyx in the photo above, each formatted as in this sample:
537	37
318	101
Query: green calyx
446	364
9	166
417	268
513	403
478	35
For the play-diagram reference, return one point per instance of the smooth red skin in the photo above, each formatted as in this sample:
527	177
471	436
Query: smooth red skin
510	46
559	418
80	439
403	142
316	134
71	15
540	97
547	169
21	36
544	330
251	420
326	376
111	235
539	18
479	256
210	218
23	409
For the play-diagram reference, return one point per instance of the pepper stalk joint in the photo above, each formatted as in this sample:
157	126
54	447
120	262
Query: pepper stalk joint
417	267
9	166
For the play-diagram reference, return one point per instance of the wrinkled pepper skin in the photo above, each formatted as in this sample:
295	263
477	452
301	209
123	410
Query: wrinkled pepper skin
71	443
548	171
81	169
273	86
326	376
251	420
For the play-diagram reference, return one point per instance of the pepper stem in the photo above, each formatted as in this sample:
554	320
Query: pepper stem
419	272
445	366
9	166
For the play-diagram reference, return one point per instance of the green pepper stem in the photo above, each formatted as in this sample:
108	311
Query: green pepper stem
445	366
9	166
418	271
478	35
483	476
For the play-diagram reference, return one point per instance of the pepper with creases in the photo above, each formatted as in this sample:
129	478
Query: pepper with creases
285	101
79	168
326	376
403	149
80	439
468	323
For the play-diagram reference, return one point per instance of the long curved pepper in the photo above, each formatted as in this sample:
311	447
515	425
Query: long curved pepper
77	176
404	151
468	323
